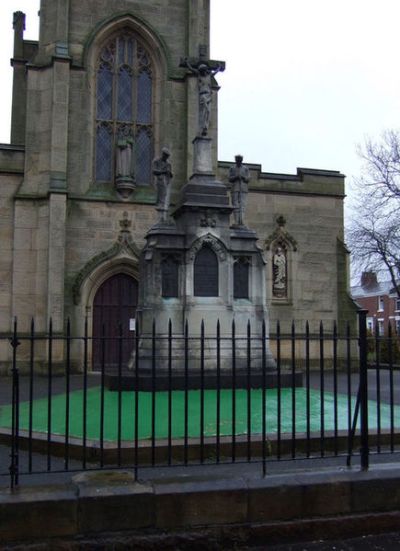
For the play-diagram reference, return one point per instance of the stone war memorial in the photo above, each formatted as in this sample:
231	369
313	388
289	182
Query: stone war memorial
197	269
116	214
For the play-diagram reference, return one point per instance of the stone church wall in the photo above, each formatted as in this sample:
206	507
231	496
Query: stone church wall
93	228
11	173
62	234
311	202
176	37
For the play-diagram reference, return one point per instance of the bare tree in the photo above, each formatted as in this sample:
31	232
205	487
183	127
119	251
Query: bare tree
374	231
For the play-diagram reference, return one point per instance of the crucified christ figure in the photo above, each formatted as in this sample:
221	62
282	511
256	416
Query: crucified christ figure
204	74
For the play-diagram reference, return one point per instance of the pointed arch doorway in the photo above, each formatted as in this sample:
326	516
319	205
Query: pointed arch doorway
115	303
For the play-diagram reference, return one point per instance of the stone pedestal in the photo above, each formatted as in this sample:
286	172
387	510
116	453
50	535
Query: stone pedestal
196	273
125	186
202	155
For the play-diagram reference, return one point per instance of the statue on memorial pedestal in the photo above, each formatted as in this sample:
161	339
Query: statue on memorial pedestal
239	177
279	284
162	171
204	73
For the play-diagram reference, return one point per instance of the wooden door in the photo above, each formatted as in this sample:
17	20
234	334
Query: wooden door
114	306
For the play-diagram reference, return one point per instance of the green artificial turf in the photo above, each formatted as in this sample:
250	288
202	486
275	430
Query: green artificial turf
58	413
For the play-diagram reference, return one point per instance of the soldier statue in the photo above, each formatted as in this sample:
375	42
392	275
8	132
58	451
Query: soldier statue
239	177
163	174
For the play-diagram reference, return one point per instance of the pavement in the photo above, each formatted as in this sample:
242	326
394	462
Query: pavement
335	527
376	542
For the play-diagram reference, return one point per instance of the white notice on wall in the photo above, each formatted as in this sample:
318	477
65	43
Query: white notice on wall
132	324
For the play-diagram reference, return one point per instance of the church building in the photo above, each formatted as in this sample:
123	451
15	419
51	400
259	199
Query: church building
95	100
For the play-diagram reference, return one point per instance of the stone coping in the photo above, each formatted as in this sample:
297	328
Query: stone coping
111	454
233	509
300	172
306	181
12	159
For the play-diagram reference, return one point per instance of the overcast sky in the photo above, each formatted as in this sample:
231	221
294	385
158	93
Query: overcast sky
306	80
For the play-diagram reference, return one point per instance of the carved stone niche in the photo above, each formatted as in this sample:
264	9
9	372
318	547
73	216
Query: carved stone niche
281	244
279	270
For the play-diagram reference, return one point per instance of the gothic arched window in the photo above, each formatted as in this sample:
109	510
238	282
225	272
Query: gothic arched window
124	106
206	273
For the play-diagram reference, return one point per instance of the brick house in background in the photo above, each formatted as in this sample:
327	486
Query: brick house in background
381	301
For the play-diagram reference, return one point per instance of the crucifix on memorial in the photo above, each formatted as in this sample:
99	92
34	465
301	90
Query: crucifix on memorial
205	69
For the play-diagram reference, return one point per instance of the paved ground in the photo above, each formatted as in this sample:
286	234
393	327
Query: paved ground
224	470
381	542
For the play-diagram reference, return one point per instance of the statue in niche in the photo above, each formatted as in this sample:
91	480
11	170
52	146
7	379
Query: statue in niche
204	73
125	173
162	171
239	177
279	269
125	157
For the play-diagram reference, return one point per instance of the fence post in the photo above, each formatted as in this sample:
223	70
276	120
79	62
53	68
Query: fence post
14	471
362	333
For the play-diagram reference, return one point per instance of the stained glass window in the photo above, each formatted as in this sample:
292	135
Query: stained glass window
104	95
144	155
103	153
130	45
144	98
125	94
124	105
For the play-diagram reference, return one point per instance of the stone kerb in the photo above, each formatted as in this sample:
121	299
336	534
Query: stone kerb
226	509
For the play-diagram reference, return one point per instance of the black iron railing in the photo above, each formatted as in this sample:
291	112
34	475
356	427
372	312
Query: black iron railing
190	399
